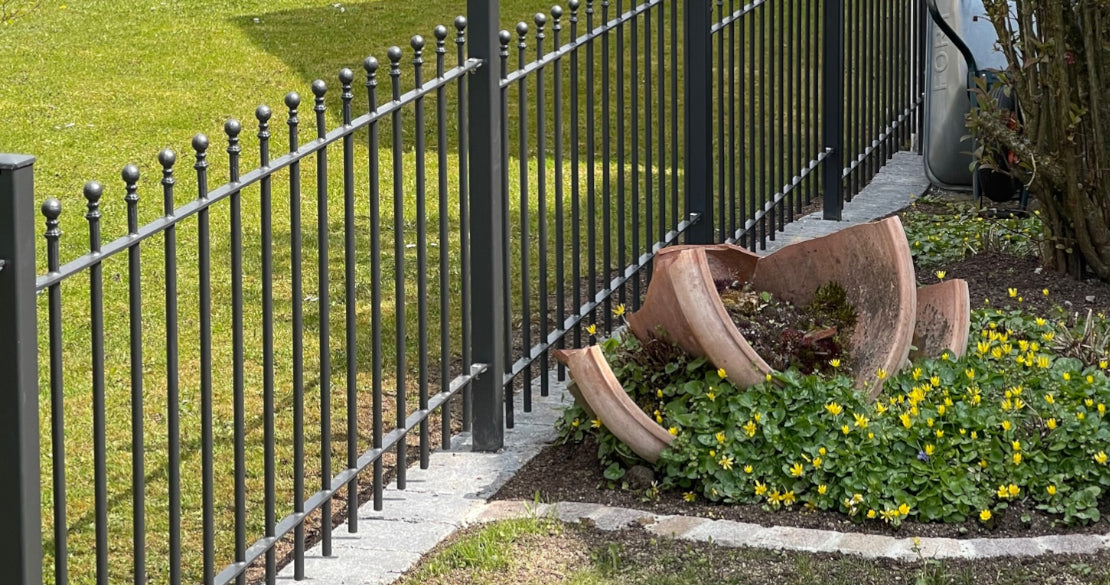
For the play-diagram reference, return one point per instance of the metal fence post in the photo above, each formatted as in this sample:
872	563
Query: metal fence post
20	518
832	109
486	292
698	115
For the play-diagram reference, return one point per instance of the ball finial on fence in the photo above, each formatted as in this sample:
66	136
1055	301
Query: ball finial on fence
460	23
200	143
556	13
394	54
440	32
93	191
232	128
346	76
292	100
370	65
522	29
52	209
540	19
319	88
417	43
130	174
167	158
505	37
263	113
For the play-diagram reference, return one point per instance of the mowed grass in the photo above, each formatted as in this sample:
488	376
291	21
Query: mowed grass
95	85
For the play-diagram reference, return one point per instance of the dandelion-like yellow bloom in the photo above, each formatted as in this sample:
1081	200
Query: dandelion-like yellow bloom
591	329
1050	423
822	489
796	470
929	449
712	396
721	437
929	422
1012	292
934	381
1090	379
748	469
767	377
596	423
760	488
834	363
1103	364
788	498
1080	416
774	497
822	451
1007	404
1100	457
1013	490
1017	458
871	514
861	421
879	408
940	433
996	353
1101	408
940	274
1043	362
1048	335
673	431
941	409
974	435
947	400
1049	398
1044	292
985	515
749	429
906	421
1040	321
725	463
721	373
619	310
945	356
1088	402
659	393
689	496
970	373
1016	445
916	373
1023	345
574	423
834	408
1006	425
880	374
904	509
1051	490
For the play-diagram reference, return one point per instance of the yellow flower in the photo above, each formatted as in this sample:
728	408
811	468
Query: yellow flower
997	353
916	373
596	423
880	374
940	433
712	396
834	363
817	462
1048	336
1012	292
905	418
788	497
659	393
871	514
689	496
1016	445
725	463
1049	398
941	409
1040	321
1013	490
940	274
1090	379
929	422
1103	364
673	431
1043	362
767	377
796	470
1044	292
1088	402
904	509
1100	457
834	408
1101	408
845	429
861	421
974	435
575	423
983	463
822	489
1017	458
934	381
1006	425
757	415
822	451
721	373
945	356
1080	416
970	373
747	469
591	329
1051	490
929	449
1050	423
619	310
721	437
879	408
750	429
985	515
760	488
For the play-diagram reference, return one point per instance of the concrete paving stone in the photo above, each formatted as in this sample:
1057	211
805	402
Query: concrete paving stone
1072	543
801	539
576	511
499	510
352	568
427	507
941	548
1005	547
675	526
619	518
868	546
726	533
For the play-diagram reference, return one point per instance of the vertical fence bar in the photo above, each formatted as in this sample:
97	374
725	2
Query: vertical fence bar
21	518
487	294
575	183
204	276
464	219
560	260
292	103
591	163
621	171
396	144
167	158
417	44
350	298
93	191
719	102
504	38
52	209
634	87
674	103
833	101
440	33
781	73
742	126
763	110
373	173
606	167
130	177
319	89
698	162
729	227
541	198
525	221
232	129
753	112
263	115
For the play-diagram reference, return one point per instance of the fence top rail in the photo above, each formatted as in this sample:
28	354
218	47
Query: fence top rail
717	27
573	45
213	196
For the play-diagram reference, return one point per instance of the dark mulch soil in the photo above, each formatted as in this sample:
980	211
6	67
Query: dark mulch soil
572	472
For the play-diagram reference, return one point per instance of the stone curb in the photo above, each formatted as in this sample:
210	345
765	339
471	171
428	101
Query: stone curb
740	534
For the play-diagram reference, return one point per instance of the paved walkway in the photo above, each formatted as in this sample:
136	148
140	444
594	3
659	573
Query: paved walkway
452	492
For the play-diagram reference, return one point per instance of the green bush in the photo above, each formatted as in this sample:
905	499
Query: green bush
1014	420
937	239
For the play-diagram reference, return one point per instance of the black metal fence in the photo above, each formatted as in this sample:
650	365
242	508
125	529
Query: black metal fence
544	168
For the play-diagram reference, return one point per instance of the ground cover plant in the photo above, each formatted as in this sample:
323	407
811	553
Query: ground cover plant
1013	429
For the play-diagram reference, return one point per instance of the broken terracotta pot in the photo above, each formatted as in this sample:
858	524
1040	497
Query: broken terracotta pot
871	262
943	319
599	392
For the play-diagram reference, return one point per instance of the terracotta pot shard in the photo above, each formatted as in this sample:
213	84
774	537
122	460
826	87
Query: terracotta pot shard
943	319
604	396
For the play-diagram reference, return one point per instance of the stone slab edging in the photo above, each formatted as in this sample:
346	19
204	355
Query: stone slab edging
741	534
